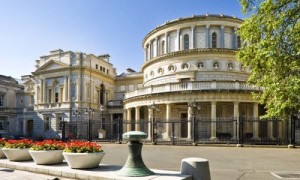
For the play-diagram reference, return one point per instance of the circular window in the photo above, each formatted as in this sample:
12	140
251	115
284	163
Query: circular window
160	71
172	68
201	65
185	66
230	66
152	73
216	65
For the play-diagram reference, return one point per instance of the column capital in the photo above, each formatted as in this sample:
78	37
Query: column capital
222	26
235	29
236	102
207	25
193	27
213	102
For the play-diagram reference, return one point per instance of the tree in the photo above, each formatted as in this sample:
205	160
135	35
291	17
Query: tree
271	49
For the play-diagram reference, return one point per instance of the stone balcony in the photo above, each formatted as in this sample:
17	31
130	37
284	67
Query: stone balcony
193	86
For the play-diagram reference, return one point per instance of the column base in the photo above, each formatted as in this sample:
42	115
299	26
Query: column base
214	139
239	145
290	146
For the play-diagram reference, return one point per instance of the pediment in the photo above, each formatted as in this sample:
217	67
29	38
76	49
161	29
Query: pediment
52	64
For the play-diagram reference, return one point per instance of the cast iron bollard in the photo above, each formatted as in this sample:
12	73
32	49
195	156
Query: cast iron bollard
134	166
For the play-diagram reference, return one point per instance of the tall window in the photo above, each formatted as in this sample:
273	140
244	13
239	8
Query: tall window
1	100
56	95
186	41
238	41
102	91
162	50
214	40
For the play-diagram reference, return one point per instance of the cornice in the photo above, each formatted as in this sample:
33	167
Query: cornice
188	52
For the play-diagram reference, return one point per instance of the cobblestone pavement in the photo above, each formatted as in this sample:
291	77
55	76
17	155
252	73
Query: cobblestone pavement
11	174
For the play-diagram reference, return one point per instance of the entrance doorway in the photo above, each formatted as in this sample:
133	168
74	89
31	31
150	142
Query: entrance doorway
183	125
29	128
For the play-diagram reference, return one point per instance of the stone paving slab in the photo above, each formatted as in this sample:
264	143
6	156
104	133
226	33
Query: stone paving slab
103	172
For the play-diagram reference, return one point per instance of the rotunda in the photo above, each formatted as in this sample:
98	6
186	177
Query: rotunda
190	72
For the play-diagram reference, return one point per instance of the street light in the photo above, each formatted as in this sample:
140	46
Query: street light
195	106
154	107
102	110
76	113
88	112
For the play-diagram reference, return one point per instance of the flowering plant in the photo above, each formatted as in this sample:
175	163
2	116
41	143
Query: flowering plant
48	145
19	144
2	142
82	147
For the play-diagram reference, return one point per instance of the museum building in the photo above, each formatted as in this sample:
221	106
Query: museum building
190	72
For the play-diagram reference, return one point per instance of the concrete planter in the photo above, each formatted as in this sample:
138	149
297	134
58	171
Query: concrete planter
47	157
83	160
2	155
17	154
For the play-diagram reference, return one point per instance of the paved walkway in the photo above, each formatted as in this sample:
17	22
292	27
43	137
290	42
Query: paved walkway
226	163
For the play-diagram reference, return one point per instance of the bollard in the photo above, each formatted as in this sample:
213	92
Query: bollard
197	167
134	166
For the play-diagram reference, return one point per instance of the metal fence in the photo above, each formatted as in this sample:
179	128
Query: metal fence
197	131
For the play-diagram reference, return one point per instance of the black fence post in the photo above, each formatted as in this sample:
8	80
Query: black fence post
63	133
173	133
292	129
120	131
194	131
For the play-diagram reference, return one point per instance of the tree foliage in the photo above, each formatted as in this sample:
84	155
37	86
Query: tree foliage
271	49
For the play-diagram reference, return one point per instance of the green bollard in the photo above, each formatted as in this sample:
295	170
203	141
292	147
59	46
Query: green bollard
134	166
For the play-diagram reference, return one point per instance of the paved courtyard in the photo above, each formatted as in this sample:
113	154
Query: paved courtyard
226	163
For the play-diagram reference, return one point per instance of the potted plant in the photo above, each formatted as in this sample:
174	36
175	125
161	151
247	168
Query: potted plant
47	152
17	150
81	154
2	143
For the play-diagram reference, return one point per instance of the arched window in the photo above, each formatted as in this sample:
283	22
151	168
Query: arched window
56	91
186	41
214	40
162	49
238	41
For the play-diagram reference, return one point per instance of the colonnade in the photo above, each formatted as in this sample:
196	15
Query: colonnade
191	113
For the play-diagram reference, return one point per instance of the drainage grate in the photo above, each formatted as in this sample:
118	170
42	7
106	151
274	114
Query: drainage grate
287	175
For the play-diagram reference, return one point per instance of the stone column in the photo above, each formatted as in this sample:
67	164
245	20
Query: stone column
137	119
178	39
207	36
236	117
270	129
255	123
150	50
69	97
166	43
124	120
190	119
213	135
145	54
65	92
150	118
168	118
44	91
222	37
192	37
129	120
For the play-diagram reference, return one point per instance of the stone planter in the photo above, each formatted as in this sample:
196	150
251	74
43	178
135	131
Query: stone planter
17	154
47	157
83	160
2	155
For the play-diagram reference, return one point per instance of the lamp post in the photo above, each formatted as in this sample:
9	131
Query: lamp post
76	113
154	108
195	106
88	113
102	110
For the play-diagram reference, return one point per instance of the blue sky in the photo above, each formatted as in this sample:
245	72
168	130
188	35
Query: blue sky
30	29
